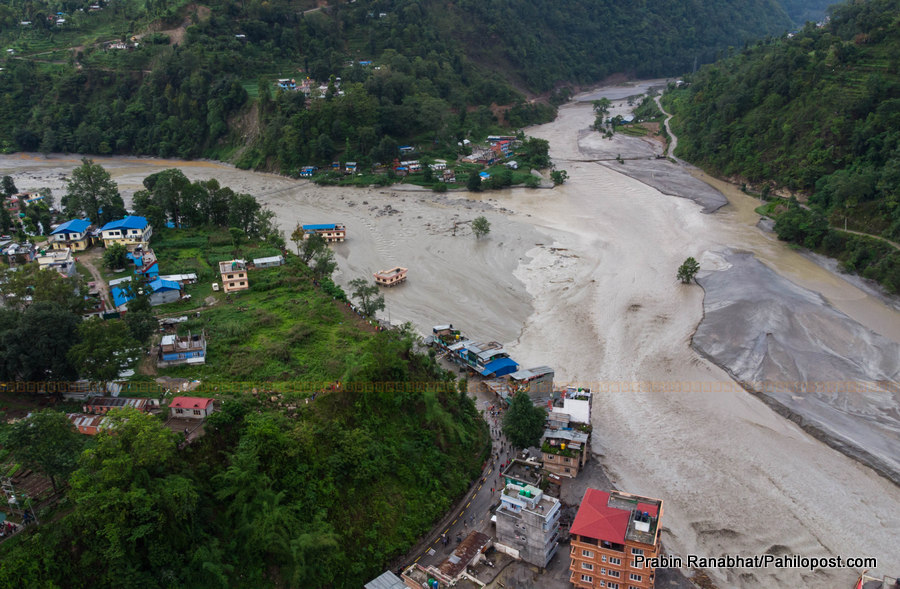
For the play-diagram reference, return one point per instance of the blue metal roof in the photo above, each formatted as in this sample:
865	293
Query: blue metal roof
73	226
160	284
119	297
318	227
500	367
129	222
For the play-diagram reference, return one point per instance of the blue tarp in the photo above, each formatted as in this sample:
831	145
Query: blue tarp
500	367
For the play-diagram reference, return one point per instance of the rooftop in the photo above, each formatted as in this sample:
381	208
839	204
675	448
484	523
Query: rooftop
395	271
616	517
529	373
129	222
191	402
464	553
528	473
114	402
232	266
386	580
73	226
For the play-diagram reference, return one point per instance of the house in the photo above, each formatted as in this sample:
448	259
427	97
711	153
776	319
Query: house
180	278
191	407
528	524
350	168
60	260
564	451
270	262
512	165
73	235
234	275
611	538
89	425
13	204
484	176
438	165
308	171
522	473
189	349
391	277
163	291
286	84
386	580
331	232
121	295
537	382
575	402
406	149
19	253
102	405
454	569
129	231
448	176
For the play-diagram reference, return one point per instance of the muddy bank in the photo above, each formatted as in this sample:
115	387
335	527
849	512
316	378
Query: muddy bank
832	376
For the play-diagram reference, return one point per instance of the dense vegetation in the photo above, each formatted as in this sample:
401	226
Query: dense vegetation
200	81
817	114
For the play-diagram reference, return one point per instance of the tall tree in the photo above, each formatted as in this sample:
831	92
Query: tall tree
370	300
481	226
524	423
297	237
47	441
9	186
105	350
36	348
90	190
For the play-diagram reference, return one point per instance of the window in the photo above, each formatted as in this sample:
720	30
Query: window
613	573
587	554
639	551
587	578
634	577
568	469
196	412
587	566
612	585
242	283
179	411
567	460
614	560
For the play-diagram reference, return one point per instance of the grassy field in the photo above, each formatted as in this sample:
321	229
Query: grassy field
284	329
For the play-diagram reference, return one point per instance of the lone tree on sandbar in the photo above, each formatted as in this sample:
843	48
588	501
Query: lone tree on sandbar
688	270
481	227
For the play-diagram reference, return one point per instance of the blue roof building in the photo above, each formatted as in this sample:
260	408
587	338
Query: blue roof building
130	230
73	226
72	235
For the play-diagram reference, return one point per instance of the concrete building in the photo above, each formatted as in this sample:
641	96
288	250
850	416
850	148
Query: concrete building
564	451
174	350
270	262
234	275
330	232
528	524
191	407
453	570
129	231
391	277
164	291
386	580
60	260
537	382
576	402
611	535
73	235
102	405
522	473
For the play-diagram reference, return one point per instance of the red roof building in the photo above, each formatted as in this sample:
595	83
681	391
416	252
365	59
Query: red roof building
191	407
611	536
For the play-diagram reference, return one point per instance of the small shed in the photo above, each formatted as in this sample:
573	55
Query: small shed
164	291
191	407
270	262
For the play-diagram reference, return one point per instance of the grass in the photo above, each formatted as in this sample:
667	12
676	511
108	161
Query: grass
633	130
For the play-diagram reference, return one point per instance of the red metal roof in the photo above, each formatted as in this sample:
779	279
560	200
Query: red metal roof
191	402
653	510
597	520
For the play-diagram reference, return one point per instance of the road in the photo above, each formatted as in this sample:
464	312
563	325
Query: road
87	259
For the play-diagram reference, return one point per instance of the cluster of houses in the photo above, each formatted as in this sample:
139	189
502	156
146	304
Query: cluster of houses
485	359
307	86
93	417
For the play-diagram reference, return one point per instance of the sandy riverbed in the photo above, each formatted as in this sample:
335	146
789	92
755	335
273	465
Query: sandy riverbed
582	278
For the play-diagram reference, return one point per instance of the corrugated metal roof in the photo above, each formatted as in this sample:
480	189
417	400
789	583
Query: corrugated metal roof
129	222
319	227
73	226
386	580
269	260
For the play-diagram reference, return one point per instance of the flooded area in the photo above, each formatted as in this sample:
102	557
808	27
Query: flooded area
582	278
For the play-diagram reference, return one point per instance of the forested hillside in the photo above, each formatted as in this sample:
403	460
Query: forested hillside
178	79
817	114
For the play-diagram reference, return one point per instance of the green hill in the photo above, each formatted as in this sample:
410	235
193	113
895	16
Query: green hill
817	114
178	79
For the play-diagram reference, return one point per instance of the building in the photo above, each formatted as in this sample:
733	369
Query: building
611	536
60	260
448	176
576	402
564	451
522	473
331	232
469	553
286	84
308	171
537	382
89	425
180	278
19	253
129	231
189	349
270	262
73	235
386	580
164	291
234	275
102	405
867	581
191	407
528	524
391	277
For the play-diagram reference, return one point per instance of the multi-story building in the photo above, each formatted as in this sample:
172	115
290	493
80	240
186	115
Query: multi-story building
189	349
611	536
71	235
528	524
129	231
564	451
60	260
329	231
234	275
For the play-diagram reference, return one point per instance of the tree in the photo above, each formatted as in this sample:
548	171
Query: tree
370	299
524	423
43	286
47	441
310	247
115	257
35	348
559	176
473	183
236	236
324	263
481	227
297	237
90	190
688	270
9	186
105	350
141	324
